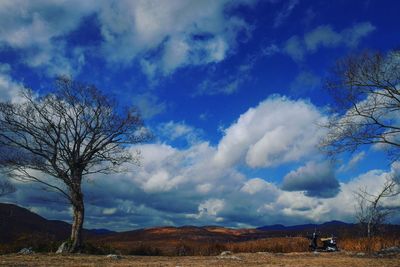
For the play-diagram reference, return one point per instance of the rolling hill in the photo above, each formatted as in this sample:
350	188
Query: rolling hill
20	227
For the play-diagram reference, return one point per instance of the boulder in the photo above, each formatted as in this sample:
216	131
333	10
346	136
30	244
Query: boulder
26	251
226	253
113	257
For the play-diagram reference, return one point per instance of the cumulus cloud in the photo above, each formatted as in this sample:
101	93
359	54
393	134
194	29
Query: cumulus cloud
203	195
277	131
210	209
255	185
325	36
315	179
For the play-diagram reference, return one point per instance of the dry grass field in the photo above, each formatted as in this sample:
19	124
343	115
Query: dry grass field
241	259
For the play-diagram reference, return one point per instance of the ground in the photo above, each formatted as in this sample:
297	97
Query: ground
240	259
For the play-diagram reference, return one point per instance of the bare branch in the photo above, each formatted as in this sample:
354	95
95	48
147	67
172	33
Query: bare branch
366	89
370	209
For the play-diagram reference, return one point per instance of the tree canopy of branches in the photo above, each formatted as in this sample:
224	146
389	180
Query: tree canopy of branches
370	211
60	138
366	89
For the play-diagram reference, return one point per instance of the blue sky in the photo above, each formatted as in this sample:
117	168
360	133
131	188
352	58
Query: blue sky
232	90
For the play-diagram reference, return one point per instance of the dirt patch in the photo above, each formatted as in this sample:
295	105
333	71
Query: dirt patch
240	259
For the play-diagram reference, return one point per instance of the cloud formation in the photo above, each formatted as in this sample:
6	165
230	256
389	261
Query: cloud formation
166	35
149	105
325	36
9	89
277	131
172	131
35	29
202	184
315	179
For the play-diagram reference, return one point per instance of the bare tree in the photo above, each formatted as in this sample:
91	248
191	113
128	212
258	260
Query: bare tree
371	213
366	89
66	135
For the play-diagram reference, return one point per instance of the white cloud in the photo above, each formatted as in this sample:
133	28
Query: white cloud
35	29
353	35
355	159
211	207
227	84
179	130
322	36
257	185
277	131
162	35
325	36
9	89
109	211
184	32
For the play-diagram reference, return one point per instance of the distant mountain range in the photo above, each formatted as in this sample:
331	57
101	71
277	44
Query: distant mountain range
281	227
20	227
332	227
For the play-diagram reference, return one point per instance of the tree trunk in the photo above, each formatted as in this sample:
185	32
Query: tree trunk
77	225
369	235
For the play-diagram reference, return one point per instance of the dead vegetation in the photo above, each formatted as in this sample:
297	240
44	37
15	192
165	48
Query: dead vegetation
271	245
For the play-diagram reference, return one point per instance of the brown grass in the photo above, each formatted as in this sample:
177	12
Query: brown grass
273	245
362	244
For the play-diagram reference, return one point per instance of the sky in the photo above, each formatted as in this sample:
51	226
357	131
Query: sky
233	92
